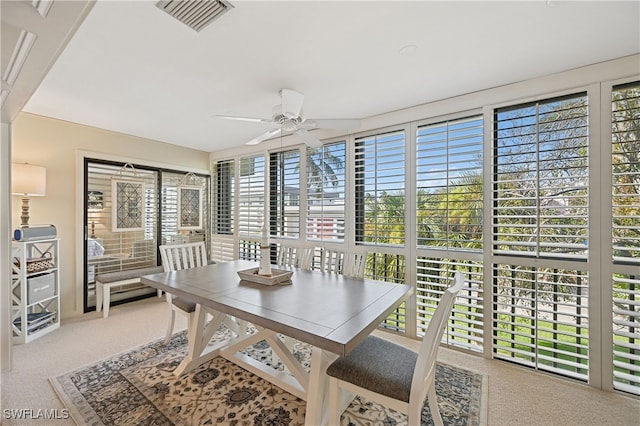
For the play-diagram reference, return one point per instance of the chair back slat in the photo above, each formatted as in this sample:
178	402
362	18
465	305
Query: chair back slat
286	255
354	265
297	257
305	257
331	261
183	256
426	363
339	262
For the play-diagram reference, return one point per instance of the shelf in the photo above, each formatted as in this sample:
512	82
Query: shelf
36	320
46	271
35	296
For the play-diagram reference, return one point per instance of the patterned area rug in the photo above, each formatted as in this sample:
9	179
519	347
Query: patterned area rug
139	388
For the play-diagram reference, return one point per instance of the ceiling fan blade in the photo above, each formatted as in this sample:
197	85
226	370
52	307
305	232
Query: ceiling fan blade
344	124
250	119
291	103
308	138
264	136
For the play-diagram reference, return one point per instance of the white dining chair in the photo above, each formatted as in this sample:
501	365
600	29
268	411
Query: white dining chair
297	257
340	262
393	375
176	257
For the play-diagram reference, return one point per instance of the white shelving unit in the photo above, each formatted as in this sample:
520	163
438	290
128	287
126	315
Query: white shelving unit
35	296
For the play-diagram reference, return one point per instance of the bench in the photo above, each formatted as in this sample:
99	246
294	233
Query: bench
104	283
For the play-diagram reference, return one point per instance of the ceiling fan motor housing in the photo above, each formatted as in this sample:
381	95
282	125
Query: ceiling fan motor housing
288	121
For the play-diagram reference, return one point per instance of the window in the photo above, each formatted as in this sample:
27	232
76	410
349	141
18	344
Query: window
223	193
540	211
526	216
326	192
284	187
170	232
251	206
449	184
380	205
541	179
541	318
625	224
449	211
118	250
109	251
380	189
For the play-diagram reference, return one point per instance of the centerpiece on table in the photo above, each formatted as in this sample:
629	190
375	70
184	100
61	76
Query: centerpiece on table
264	274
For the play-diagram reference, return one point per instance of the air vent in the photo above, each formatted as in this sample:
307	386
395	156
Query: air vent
196	14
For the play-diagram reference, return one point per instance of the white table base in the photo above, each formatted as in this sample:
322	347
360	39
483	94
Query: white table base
310	386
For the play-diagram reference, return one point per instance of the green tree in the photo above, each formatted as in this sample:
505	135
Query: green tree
325	168
625	134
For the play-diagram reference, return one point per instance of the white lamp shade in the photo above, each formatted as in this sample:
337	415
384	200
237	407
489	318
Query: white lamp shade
27	179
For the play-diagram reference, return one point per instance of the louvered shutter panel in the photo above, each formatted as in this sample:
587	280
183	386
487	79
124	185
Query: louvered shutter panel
326	192
540	222
251	206
380	189
625	161
449	225
284	187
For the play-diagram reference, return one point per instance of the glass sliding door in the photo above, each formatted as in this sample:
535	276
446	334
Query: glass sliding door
129	211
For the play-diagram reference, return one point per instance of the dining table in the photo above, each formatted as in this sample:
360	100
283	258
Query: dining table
332	313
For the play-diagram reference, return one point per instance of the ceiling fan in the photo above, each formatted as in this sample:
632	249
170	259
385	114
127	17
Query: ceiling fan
287	117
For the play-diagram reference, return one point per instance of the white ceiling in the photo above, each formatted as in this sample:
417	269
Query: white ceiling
133	69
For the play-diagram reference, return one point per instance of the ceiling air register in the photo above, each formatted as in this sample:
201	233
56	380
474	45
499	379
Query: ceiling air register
196	14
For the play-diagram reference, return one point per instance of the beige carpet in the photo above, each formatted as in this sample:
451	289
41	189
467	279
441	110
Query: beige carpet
138	388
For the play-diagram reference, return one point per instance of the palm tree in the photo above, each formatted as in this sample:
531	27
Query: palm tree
325	165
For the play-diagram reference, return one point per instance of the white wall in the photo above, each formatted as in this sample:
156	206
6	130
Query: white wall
5	247
60	146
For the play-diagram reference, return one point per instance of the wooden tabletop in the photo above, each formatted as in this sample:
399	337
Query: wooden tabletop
332	312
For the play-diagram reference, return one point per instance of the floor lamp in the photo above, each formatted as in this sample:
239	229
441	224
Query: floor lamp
28	180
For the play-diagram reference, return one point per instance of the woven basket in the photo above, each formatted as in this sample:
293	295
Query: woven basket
38	264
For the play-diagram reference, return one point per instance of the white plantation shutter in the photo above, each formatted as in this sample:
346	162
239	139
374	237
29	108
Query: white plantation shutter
380	189
625	161
434	275
541	178
540	218
251	206
326	192
449	210
169	208
223	193
284	187
380	204
626	174
223	248
120	245
449	184
541	318
222	240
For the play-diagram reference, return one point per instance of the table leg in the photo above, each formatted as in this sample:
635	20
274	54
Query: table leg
317	399
296	382
200	333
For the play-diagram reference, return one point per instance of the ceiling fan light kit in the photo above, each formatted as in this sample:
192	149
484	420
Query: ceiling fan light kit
287	117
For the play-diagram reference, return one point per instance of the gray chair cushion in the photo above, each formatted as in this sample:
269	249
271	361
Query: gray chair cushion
184	304
378	365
